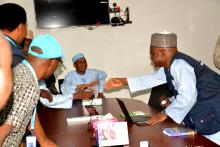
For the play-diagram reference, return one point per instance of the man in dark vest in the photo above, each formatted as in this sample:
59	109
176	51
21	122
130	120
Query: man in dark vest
195	87
13	23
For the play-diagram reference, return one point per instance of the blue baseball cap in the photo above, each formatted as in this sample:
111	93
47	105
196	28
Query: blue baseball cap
77	56
49	46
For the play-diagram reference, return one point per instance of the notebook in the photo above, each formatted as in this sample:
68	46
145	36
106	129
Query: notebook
139	119
176	131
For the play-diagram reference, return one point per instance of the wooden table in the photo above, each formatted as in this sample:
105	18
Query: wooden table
77	135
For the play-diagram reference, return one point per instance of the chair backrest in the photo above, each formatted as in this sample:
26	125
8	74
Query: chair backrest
50	83
155	95
60	81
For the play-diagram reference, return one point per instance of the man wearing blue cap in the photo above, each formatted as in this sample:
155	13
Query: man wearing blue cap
83	83
44	56
195	88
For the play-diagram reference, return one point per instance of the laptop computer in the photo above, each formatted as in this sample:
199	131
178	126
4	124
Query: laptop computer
138	119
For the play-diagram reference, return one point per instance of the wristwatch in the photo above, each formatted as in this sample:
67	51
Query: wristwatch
164	112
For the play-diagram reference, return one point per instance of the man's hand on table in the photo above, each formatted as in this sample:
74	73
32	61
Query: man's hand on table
159	117
46	94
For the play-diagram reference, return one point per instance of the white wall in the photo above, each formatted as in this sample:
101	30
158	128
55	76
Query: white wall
124	50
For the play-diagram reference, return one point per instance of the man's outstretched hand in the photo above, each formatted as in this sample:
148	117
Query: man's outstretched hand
115	83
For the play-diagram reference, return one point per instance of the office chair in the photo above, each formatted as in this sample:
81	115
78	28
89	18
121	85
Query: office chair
155	95
60	81
50	83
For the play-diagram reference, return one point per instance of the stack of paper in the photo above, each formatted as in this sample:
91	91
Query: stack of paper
93	102
112	133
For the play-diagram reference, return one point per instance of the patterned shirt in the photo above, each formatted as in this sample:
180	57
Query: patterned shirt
25	97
